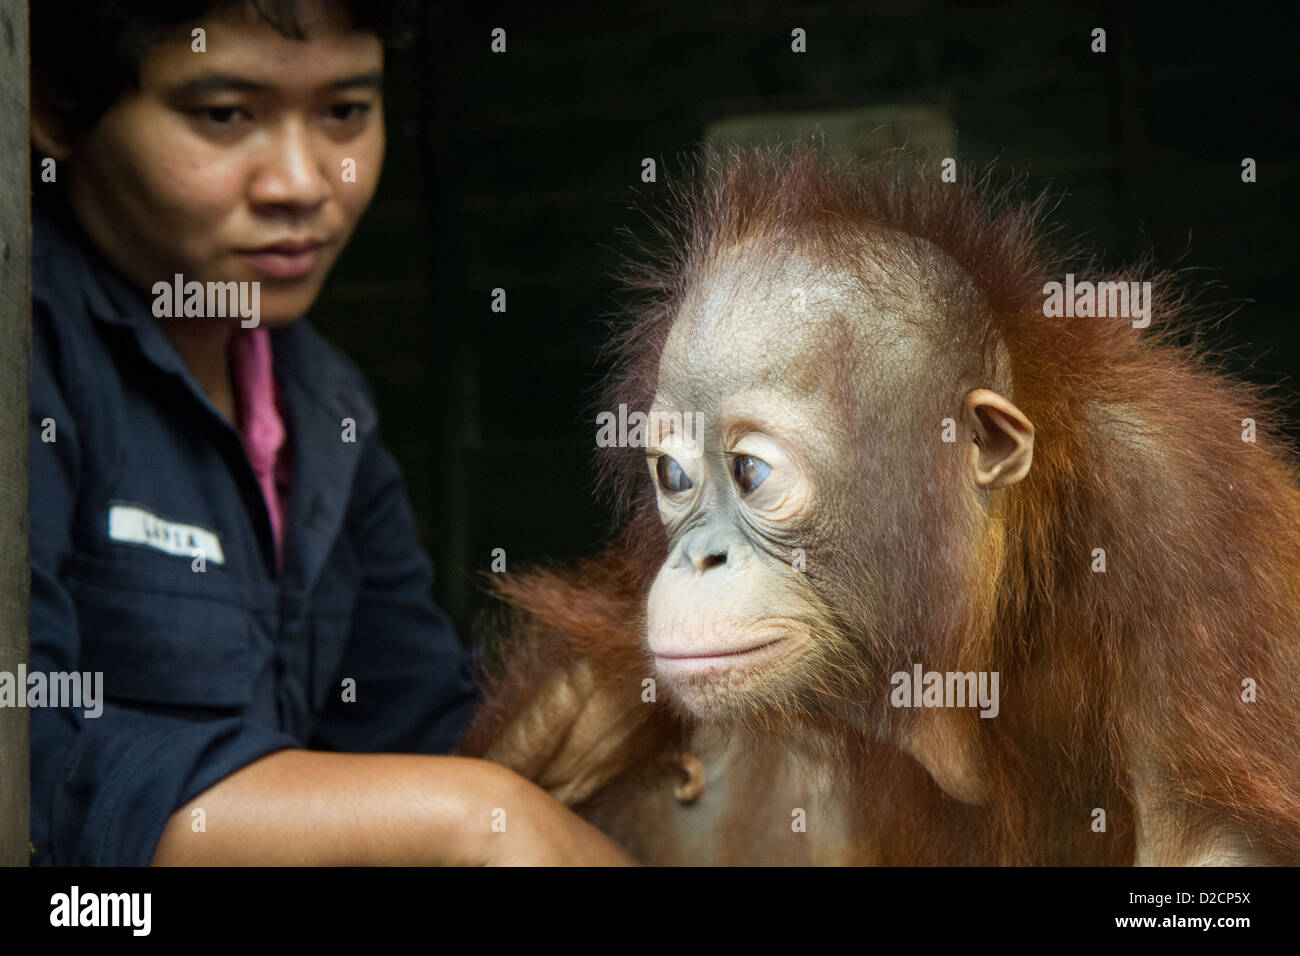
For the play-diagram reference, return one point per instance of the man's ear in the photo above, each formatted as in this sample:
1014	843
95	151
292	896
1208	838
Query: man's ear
50	134
1004	439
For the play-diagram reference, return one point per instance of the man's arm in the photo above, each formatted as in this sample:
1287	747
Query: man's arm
304	808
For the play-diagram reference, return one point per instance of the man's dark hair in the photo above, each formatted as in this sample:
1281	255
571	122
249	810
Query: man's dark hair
86	53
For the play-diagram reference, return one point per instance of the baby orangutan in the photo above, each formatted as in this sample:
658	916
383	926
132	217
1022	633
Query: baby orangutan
887	486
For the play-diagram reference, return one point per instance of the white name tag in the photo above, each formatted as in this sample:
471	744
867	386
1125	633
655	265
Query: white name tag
137	526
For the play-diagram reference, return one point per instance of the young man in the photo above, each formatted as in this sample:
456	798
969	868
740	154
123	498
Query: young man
215	526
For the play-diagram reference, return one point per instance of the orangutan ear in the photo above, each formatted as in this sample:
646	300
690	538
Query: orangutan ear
1004	439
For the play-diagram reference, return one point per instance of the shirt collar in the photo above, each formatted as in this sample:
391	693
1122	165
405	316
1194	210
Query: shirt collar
304	362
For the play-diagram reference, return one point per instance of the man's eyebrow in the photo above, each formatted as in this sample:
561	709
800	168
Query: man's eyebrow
229	82
220	83
373	80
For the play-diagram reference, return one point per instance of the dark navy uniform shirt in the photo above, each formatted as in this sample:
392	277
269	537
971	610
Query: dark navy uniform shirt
206	671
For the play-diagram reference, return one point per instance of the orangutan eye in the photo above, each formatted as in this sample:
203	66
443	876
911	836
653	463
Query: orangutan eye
672	477
749	472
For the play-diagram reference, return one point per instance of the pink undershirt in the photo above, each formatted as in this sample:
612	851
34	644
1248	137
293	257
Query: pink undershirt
261	422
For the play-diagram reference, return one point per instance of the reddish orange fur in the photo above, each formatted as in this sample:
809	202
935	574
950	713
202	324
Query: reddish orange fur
1138	451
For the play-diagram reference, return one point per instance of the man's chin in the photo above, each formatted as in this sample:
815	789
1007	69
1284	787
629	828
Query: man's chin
278	321
278	311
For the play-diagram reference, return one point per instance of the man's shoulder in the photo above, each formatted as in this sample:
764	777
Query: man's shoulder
300	342
58	275
308	360
66	351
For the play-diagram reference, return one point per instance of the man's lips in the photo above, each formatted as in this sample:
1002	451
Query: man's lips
290	259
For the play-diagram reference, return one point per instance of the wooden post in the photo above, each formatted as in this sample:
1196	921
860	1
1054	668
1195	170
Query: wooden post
15	335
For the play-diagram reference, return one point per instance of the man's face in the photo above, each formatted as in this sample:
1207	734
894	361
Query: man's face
230	164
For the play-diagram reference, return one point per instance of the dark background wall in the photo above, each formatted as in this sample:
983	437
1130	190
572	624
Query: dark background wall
515	170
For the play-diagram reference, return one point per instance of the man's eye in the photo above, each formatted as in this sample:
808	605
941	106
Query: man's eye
343	112
672	478
219	115
749	472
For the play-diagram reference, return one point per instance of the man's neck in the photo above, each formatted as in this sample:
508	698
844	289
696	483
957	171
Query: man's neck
201	345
